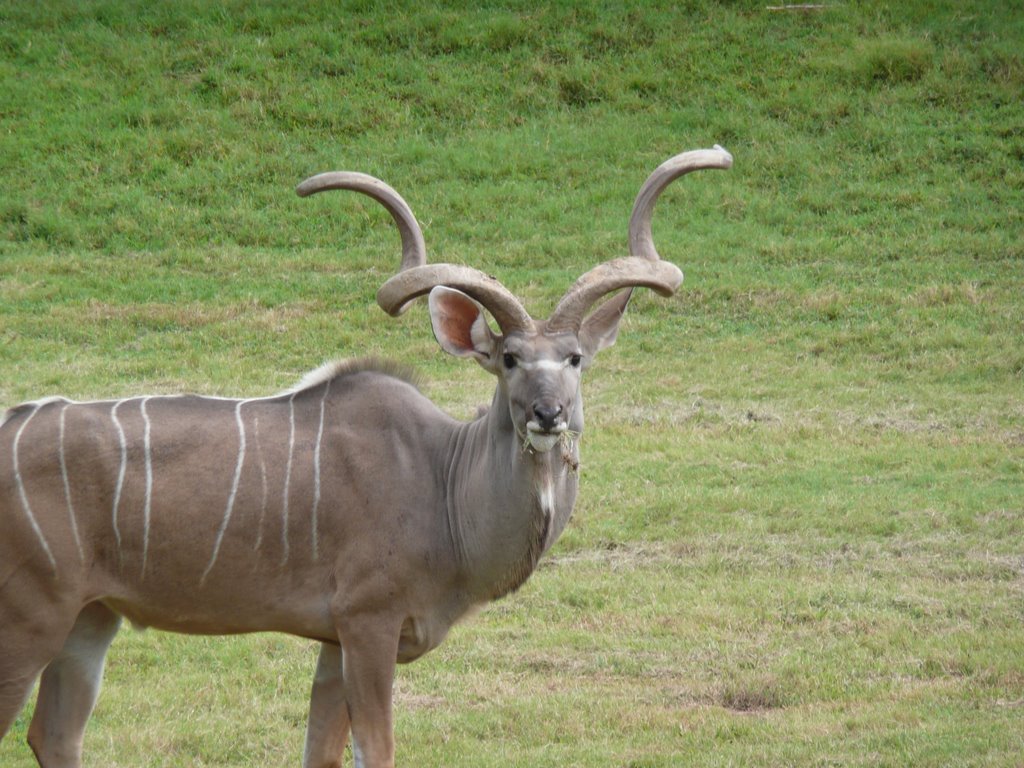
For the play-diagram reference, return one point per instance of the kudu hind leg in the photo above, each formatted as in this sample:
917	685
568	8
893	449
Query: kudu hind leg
327	730
69	687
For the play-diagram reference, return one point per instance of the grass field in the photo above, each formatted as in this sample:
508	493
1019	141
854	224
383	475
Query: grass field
800	537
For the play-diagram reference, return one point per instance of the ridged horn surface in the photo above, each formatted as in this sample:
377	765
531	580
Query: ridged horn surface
643	267
660	276
395	295
641	242
414	250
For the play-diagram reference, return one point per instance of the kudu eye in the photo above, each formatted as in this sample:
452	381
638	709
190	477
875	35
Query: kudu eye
510	361
575	360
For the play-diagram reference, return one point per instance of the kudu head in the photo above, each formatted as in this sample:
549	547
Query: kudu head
538	363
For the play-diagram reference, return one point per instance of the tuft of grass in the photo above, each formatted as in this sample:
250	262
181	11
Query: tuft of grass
890	61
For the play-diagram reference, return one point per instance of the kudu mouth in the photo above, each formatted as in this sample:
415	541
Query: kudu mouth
546	425
542	439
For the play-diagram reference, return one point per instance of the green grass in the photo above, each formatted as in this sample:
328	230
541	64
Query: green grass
799	538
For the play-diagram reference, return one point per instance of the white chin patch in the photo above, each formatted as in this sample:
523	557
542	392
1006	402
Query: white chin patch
542	442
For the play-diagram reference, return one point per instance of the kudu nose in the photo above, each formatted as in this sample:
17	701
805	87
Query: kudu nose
548	415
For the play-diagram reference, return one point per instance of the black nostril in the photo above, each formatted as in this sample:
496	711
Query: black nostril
547	414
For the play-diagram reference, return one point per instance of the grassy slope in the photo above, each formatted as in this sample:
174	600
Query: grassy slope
799	539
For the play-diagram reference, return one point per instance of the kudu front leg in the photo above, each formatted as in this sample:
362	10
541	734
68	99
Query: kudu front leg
69	687
369	653
328	726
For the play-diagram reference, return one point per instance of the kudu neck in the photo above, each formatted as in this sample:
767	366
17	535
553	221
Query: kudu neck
507	504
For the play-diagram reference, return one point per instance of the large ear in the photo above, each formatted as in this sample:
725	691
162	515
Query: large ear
460	326
601	327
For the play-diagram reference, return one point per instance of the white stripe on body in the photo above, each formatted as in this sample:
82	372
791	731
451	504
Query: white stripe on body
120	474
316	472
148	505
67	487
288	479
234	489
263	481
26	507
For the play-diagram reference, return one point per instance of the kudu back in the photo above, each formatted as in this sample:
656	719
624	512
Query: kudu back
349	509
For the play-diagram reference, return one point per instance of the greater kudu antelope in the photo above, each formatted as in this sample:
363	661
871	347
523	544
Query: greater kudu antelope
349	509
